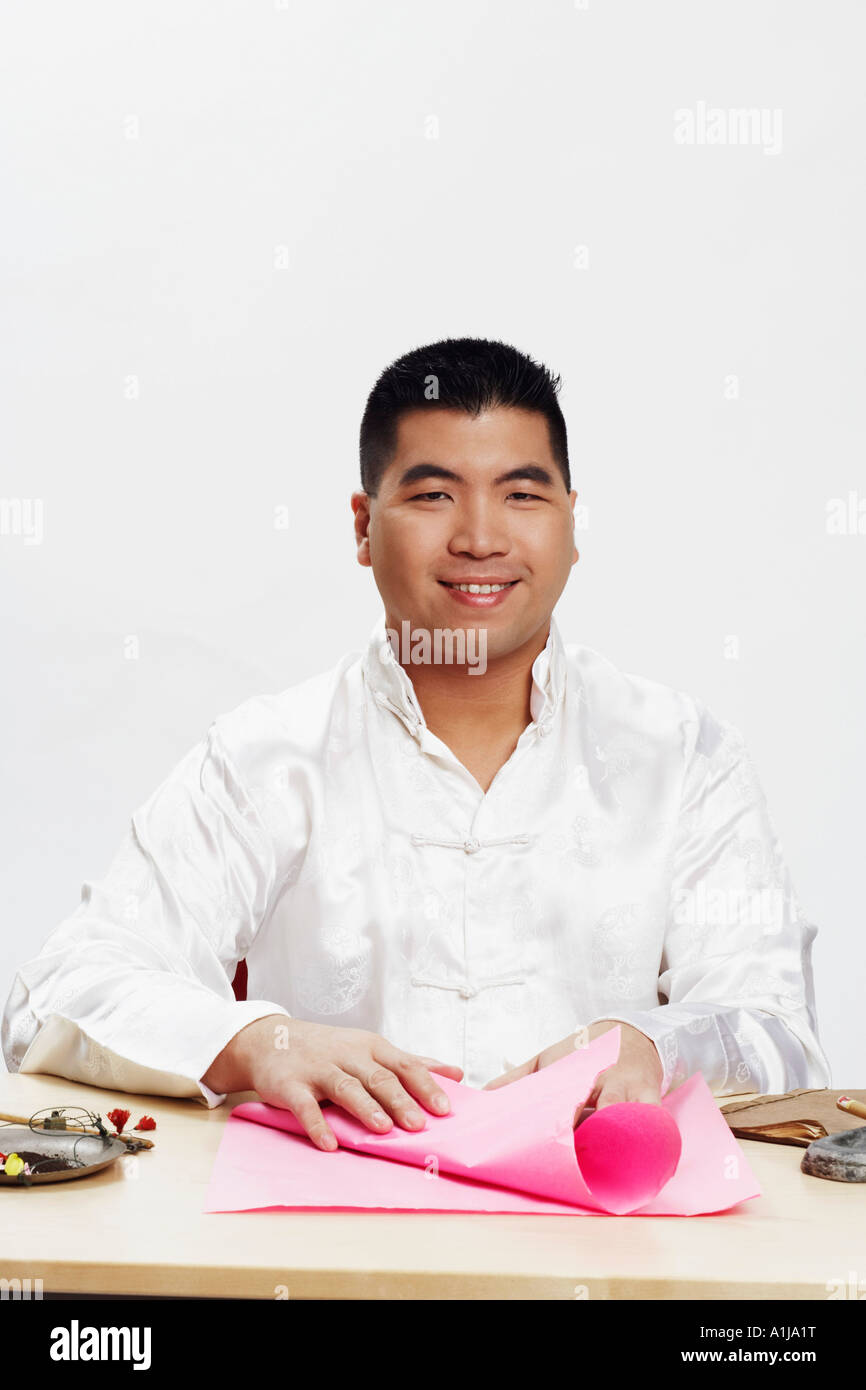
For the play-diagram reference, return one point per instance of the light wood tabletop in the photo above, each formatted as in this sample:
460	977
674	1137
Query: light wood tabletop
138	1228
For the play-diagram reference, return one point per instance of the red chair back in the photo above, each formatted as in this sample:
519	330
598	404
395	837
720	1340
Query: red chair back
239	983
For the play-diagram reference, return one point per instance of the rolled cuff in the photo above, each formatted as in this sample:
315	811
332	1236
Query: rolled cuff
737	1050
63	1047
656	1031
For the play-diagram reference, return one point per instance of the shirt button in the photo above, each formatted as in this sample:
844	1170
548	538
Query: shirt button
471	846
467	991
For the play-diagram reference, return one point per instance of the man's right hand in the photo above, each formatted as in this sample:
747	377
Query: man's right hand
294	1065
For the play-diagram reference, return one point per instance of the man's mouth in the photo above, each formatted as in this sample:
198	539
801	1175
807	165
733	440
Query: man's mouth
491	588
482	595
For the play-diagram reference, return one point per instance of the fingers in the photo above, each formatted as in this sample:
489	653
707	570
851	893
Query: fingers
374	1082
444	1068
414	1076
498	1081
646	1097
375	1093
346	1090
514	1074
400	1085
398	1080
615	1088
383	1083
304	1107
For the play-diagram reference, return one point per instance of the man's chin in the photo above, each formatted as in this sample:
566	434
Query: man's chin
503	629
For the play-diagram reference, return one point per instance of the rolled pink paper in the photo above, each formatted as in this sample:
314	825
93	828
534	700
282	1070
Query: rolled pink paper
512	1149
627	1152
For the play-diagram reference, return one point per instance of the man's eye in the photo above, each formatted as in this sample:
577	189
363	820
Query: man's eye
533	496
427	496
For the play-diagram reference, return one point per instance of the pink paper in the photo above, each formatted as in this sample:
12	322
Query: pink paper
506	1150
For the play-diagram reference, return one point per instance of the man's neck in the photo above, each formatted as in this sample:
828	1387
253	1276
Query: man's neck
480	717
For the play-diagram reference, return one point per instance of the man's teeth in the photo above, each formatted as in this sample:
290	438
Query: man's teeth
480	588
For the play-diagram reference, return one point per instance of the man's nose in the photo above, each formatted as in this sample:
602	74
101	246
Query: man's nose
480	530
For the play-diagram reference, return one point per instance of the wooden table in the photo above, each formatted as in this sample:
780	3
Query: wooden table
138	1228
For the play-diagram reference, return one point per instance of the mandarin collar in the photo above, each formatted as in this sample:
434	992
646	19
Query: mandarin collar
392	688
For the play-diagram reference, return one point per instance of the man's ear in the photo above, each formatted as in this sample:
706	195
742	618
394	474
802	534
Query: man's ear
361	508
572	497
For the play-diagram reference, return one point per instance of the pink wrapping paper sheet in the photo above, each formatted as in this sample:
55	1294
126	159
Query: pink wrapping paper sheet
506	1150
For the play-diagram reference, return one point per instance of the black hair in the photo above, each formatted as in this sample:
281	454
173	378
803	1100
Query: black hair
471	374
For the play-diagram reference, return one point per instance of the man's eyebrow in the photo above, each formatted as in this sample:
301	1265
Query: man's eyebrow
533	472
427	470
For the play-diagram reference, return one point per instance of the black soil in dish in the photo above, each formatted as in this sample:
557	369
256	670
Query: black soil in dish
45	1163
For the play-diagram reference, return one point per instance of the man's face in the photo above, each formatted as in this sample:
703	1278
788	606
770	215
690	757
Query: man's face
470	501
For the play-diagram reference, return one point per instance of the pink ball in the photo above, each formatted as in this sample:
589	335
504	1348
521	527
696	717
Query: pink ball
627	1152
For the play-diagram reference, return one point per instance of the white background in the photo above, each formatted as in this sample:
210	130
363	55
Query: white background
427	171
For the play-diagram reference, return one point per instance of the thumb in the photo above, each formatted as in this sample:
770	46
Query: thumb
514	1074
444	1068
619	1088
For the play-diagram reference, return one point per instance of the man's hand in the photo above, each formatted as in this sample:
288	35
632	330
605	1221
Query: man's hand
635	1075
307	1063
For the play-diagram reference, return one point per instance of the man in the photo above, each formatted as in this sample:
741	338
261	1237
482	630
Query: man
463	868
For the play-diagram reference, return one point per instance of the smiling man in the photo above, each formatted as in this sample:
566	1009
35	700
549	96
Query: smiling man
434	868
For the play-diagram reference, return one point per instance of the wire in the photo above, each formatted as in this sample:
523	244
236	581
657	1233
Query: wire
71	1114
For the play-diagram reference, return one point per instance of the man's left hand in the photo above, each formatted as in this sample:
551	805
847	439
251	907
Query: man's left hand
635	1075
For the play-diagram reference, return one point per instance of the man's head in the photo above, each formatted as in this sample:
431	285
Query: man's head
468	374
465	477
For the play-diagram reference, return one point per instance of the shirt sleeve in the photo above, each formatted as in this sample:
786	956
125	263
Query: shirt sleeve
132	992
736	967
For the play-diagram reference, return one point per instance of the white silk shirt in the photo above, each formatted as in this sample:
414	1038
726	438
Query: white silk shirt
622	864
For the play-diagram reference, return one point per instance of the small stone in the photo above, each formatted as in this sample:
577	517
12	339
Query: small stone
840	1157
